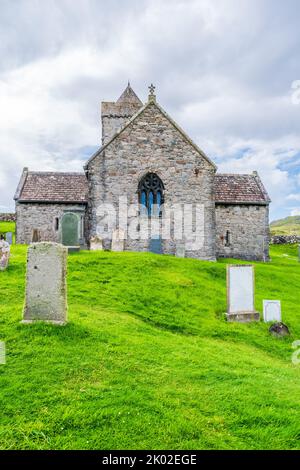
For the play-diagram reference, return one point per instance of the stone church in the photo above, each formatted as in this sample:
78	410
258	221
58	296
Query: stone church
148	158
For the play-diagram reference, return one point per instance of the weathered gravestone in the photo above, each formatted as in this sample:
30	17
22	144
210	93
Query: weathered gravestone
240	293
9	238
279	329
180	250
4	254
118	240
96	243
46	289
272	310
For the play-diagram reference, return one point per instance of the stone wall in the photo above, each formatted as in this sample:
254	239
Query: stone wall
152	144
7	217
285	239
114	117
42	217
242	232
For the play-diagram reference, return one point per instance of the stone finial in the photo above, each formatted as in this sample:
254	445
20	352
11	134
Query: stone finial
151	96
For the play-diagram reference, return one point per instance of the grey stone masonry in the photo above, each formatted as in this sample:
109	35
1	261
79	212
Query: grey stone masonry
242	231
151	142
46	288
45	220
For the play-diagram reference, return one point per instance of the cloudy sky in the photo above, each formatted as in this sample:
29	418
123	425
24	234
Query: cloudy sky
223	69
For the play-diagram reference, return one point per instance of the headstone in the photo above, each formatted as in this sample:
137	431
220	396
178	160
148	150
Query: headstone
9	238
96	243
240	293
180	250
279	329
4	254
46	290
272	310
118	240
70	229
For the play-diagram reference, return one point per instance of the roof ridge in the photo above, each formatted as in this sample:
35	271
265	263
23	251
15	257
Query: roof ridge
71	173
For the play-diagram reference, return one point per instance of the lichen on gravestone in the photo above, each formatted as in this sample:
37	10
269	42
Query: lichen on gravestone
4	254
46	293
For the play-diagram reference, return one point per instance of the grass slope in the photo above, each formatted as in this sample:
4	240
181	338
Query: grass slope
288	226
147	359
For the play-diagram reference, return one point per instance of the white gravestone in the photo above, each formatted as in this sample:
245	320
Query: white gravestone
4	254
46	288
118	240
9	238
272	310
180	250
96	244
240	293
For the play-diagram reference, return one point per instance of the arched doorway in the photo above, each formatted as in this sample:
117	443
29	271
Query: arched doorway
70	229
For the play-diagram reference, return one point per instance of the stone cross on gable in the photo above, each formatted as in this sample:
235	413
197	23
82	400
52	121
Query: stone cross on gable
151	93
151	89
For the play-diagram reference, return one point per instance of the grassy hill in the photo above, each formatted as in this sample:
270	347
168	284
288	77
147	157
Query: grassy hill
147	359
288	226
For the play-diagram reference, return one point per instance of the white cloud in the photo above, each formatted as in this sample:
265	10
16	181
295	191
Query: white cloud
295	211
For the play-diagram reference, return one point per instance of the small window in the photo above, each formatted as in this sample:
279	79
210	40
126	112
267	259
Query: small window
227	238
35	235
56	223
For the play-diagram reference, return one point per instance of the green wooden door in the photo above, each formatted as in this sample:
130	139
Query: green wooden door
70	229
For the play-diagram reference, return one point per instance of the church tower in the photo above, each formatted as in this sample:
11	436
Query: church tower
114	115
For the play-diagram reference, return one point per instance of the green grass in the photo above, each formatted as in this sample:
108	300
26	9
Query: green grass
7	227
147	359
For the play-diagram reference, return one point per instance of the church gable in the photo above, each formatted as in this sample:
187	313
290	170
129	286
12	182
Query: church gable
151	126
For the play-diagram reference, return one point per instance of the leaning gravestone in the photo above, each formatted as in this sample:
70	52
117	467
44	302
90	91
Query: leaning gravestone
46	290
272	310
96	243
118	240
9	238
4	254
180	250
240	293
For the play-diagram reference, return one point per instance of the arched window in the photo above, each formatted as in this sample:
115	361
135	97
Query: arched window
151	194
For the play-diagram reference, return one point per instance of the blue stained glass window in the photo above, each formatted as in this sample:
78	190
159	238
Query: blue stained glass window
151	194
150	203
158	201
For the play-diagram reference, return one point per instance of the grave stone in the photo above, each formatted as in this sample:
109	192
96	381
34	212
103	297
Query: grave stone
46	290
9	238
240	293
279	329
180	250
118	240
96	243
272	310
4	254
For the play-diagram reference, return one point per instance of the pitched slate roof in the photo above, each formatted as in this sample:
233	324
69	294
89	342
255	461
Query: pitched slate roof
243	189
129	96
52	187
